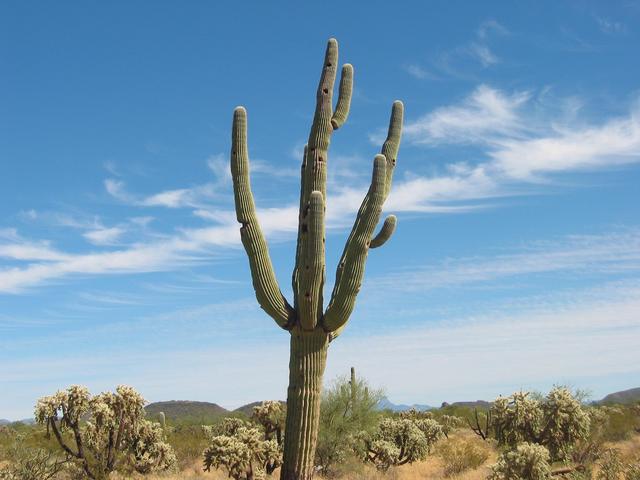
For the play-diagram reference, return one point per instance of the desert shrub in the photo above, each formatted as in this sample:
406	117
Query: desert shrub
398	441
632	471
27	463
460	454
104	432
622	422
348	410
528	461
188	442
242	449
611	465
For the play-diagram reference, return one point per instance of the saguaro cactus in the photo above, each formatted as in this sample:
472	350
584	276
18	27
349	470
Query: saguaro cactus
311	327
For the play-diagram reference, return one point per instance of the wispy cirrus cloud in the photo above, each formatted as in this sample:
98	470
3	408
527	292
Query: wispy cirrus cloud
519	143
610	253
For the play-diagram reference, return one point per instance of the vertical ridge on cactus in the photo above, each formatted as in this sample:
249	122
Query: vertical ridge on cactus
310	327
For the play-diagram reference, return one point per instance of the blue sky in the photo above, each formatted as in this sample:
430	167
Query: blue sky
516	262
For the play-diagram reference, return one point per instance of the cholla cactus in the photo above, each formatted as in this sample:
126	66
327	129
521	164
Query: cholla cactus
400	441
565	423
415	414
558	421
149	450
240	448
449	423
311	326
271	415
528	461
104	429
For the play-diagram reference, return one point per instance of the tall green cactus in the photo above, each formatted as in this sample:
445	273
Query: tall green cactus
310	327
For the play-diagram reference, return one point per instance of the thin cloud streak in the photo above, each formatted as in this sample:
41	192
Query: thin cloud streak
609	253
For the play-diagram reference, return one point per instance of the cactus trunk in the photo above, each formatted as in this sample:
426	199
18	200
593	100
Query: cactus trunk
311	326
306	369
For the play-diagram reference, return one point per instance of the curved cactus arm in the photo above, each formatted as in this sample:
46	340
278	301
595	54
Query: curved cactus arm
344	97
312	267
314	174
388	227
351	267
265	284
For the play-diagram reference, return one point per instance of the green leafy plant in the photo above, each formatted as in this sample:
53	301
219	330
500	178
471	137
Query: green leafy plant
348	408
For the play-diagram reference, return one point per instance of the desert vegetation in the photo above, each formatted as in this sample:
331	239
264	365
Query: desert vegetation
525	436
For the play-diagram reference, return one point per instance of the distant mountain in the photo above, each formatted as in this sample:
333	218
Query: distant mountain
386	404
26	421
624	397
481	404
180	409
248	408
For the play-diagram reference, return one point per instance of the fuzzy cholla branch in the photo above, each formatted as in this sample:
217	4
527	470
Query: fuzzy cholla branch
102	432
271	415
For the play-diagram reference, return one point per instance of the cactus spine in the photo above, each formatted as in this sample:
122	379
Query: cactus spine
310	327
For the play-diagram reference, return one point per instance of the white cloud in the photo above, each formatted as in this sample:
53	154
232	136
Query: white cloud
491	27
611	27
484	54
520	141
507	352
418	72
616	252
104	235
487	112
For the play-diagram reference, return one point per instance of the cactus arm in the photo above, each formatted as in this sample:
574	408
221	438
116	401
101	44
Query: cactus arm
312	267
351	267
344	97
388	227
392	143
315	162
295	274
265	284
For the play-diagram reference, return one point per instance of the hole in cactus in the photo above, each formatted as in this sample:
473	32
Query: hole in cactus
325	90
329	64
320	159
307	294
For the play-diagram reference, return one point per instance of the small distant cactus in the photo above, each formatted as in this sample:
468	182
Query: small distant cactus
106	431
162	419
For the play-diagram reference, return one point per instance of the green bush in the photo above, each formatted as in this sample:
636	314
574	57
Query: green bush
348	410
